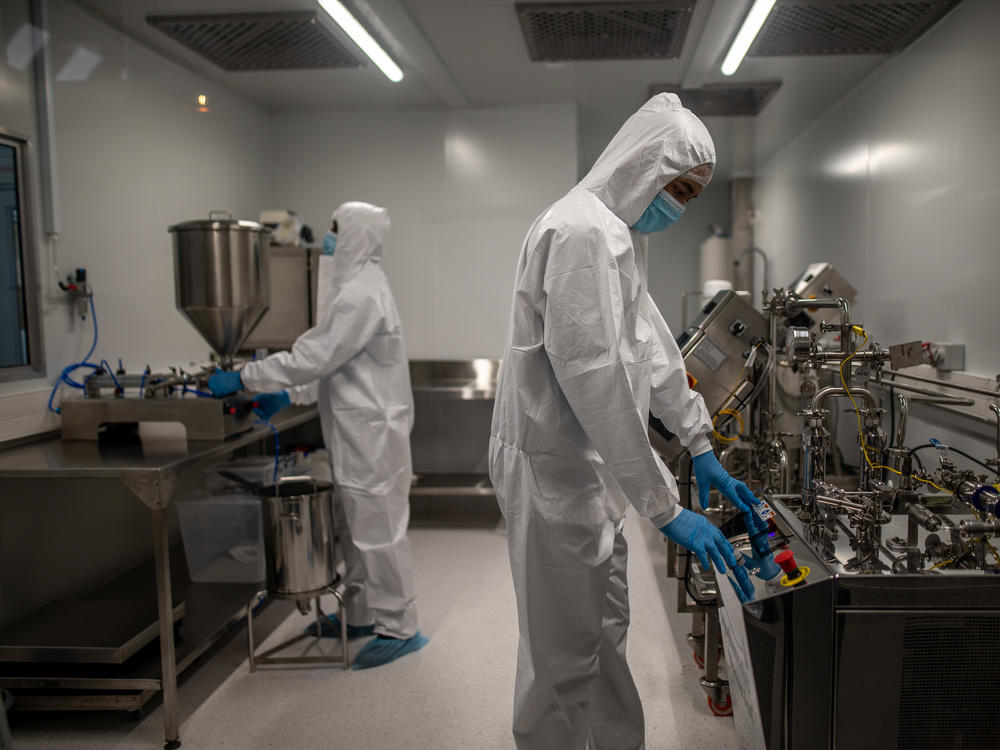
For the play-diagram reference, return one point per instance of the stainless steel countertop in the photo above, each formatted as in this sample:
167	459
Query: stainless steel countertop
54	458
466	379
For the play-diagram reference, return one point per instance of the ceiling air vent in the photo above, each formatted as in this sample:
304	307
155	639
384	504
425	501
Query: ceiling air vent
722	99
604	31
846	27
260	41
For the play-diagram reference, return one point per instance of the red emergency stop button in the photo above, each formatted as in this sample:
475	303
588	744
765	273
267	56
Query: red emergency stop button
794	575
786	560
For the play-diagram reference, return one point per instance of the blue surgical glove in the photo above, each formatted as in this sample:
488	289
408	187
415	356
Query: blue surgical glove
708	472
266	405
694	532
224	382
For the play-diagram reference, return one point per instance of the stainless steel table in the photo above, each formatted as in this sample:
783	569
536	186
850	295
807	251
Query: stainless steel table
151	475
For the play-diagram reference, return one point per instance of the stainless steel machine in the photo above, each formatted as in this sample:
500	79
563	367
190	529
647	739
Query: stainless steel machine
222	286
896	582
839	660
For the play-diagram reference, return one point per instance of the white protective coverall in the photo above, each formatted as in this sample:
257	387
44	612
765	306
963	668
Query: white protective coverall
354	364
588	356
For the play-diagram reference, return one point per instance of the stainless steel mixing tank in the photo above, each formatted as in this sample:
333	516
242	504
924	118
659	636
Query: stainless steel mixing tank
221	279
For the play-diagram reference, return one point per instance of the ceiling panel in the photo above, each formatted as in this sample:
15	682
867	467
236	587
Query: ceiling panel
846	27
604	31
282	89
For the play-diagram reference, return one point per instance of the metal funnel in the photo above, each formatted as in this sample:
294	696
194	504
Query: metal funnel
222	279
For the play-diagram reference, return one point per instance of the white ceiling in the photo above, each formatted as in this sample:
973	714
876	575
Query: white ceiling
462	53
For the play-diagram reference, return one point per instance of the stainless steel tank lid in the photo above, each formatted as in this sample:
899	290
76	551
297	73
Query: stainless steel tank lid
219	224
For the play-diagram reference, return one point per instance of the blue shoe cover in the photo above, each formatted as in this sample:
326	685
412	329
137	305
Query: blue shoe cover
379	651
331	628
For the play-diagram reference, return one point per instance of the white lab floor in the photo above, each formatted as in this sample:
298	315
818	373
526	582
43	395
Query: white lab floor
454	694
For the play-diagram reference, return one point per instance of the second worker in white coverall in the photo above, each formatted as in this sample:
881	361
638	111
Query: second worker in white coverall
353	364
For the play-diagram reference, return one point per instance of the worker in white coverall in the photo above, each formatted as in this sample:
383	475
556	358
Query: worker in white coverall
353	364
588	357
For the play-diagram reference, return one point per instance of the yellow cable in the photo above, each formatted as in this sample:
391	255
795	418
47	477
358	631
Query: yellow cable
945	562
723	438
864	448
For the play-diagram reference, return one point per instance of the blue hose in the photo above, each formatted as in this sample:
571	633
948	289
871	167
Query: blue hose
196	392
64	376
277	447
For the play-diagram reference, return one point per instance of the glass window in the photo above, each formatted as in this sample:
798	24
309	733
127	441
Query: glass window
14	340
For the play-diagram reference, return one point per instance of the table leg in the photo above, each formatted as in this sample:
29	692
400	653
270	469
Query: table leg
164	602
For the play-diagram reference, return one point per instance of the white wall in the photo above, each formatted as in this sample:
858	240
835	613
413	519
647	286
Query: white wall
461	187
134	156
898	185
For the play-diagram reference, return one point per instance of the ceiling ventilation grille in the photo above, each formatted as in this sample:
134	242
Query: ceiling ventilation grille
846	27
722	100
604	31
259	41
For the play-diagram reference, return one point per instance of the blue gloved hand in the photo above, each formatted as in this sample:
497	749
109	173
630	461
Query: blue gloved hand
224	382
266	405
694	532
708	472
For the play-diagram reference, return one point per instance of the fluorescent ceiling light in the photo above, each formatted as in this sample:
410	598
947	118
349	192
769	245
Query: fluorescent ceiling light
363	39
748	32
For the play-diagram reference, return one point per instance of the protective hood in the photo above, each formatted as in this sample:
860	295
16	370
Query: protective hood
362	232
660	142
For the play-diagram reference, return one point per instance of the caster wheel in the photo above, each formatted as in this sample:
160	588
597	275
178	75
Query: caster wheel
721	709
700	660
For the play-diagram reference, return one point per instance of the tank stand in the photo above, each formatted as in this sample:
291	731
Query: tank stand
268	656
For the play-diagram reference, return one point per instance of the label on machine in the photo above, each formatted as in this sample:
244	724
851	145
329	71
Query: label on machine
710	354
764	511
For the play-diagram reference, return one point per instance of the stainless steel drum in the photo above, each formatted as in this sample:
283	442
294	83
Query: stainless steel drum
222	278
298	537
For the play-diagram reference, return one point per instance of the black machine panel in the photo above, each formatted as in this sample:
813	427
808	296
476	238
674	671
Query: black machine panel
872	662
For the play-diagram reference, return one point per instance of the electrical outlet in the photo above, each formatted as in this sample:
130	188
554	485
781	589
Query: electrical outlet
946	356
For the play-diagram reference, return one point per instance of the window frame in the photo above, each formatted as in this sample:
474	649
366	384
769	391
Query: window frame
35	367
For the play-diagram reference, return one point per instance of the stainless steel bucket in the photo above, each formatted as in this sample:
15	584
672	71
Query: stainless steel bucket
222	279
298	537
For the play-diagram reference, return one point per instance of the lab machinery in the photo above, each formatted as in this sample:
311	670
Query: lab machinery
222	286
877	630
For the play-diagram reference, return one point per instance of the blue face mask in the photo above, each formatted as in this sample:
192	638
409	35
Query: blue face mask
329	243
661	213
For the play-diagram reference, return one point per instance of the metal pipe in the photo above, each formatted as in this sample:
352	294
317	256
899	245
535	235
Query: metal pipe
943	383
164	601
995	408
831	391
837	502
784	466
840	304
46	122
766	281
924	517
924	392
922	397
979	528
